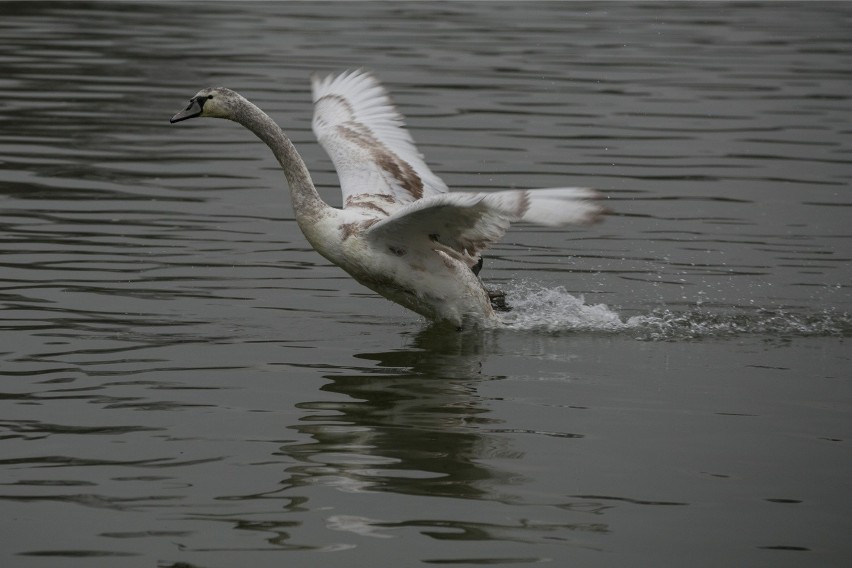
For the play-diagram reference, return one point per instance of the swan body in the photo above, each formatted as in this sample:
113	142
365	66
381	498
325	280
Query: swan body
400	232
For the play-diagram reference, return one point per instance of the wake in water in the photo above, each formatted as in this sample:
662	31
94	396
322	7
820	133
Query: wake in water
554	310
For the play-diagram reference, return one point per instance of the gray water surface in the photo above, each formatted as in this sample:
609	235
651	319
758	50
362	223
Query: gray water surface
185	383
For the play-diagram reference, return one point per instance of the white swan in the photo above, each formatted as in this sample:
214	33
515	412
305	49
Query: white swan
399	233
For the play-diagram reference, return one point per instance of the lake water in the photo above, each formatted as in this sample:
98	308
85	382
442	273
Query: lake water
185	383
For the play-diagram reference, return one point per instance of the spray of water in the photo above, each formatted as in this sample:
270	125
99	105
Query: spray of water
554	310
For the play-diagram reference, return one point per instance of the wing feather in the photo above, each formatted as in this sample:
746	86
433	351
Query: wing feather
468	223
363	133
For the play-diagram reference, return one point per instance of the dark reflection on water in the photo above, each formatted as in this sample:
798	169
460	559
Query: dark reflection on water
411	423
183	382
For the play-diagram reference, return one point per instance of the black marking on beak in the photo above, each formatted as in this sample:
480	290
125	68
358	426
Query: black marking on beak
195	107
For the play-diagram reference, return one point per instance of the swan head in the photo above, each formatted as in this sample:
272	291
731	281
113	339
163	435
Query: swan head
215	102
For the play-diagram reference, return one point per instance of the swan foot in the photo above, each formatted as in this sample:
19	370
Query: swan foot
497	297
498	300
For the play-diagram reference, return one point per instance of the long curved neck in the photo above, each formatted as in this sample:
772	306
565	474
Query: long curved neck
307	204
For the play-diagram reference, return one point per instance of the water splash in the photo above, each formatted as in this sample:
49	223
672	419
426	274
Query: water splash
537	308
554	310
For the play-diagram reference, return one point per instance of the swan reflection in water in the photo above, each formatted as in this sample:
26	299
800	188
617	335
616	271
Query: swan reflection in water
411	422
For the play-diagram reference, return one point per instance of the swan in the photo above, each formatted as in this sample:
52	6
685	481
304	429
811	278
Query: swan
400	232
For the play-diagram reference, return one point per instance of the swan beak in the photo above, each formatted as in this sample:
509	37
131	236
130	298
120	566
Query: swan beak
193	110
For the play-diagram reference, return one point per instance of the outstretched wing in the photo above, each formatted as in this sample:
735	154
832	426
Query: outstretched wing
364	134
467	223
